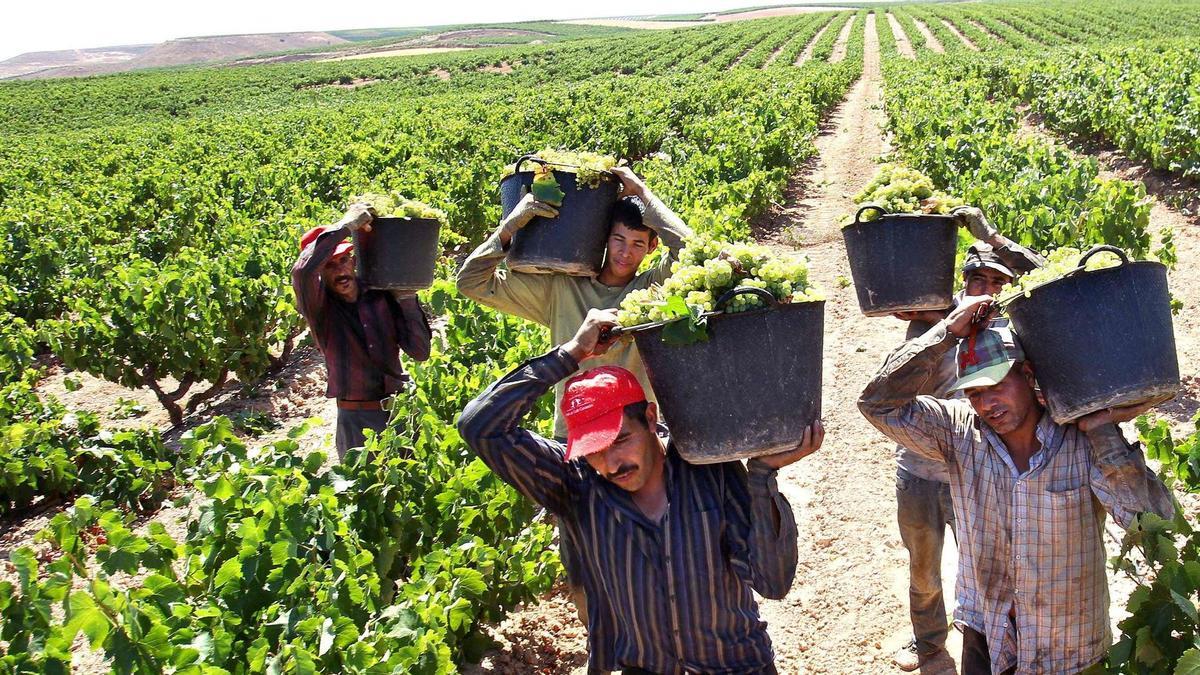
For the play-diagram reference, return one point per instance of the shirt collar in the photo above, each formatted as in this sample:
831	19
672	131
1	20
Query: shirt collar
1048	433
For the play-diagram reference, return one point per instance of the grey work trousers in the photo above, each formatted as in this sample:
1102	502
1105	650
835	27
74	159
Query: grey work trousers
352	423
923	509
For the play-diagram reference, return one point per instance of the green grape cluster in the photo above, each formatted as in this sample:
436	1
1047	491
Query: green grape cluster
708	268
395	205
1058	262
717	274
589	167
697	253
899	189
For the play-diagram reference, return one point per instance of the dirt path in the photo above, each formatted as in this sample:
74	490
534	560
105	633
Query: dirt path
902	44
957	33
848	608
806	55
839	48
930	40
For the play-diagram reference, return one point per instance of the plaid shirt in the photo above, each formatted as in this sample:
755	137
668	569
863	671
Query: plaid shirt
361	341
1031	555
671	596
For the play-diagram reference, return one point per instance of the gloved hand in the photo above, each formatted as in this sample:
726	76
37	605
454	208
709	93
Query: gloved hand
973	219
358	217
526	210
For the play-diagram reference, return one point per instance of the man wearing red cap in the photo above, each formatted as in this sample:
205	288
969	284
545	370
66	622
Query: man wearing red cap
669	552
359	331
561	302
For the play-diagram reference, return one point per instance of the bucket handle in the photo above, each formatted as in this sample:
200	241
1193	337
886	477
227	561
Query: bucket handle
618	331
528	157
763	294
532	157
868	207
1099	248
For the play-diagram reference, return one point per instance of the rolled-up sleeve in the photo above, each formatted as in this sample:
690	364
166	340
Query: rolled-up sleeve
1121	480
483	280
893	404
763	554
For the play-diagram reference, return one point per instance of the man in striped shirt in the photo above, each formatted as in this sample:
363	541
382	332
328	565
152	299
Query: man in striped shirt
1029	494
359	331
669	551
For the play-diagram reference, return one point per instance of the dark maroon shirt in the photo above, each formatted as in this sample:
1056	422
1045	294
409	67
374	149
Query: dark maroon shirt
361	341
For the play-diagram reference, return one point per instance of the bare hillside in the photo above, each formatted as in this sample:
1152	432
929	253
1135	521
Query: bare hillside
179	52
32	62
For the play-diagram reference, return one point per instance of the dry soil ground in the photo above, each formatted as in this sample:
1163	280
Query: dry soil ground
847	609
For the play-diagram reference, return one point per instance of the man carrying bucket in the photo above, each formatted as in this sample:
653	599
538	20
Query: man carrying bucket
561	302
669	552
360	332
1027	493
923	505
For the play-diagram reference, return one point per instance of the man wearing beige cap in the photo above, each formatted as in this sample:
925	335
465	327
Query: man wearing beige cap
669	551
1029	494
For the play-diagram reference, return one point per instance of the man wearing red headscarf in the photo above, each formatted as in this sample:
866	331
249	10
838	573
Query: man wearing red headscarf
359	331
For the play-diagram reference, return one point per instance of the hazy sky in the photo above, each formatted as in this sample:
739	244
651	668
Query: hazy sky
68	24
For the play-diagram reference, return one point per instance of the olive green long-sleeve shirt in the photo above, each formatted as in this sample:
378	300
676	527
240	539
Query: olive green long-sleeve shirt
561	302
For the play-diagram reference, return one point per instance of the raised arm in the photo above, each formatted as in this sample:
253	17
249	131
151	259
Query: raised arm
1119	476
1018	258
490	425
481	278
672	231
761	537
306	272
1121	480
894	402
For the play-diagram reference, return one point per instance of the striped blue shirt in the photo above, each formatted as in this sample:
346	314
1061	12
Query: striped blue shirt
668	597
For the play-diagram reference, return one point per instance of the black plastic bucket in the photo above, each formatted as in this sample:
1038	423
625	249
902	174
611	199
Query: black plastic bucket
1100	339
902	262
750	390
574	242
398	253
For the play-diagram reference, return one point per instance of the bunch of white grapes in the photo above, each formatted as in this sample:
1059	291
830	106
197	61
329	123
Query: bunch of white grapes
708	268
899	189
1058	262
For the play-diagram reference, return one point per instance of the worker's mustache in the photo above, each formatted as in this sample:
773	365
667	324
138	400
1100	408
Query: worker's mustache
623	470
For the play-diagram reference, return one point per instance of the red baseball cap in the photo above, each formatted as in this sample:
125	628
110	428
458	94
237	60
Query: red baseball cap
593	403
311	236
